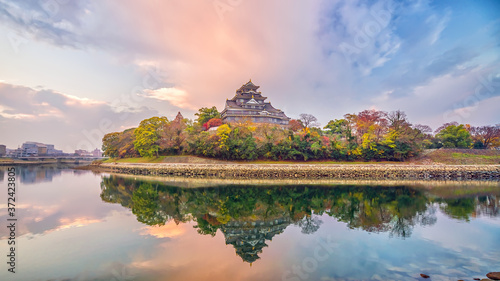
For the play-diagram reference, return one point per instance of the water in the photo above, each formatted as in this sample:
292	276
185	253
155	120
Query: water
77	225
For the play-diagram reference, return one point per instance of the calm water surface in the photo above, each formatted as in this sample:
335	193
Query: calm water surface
77	225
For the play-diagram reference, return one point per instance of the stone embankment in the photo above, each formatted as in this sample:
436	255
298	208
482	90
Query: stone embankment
308	171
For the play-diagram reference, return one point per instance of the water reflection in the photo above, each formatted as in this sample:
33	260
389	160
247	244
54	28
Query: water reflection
32	174
168	231
250	216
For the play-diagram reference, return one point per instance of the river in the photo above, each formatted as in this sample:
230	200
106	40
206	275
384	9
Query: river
80	225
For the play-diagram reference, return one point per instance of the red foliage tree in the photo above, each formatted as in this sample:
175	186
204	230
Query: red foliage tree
214	122
486	135
368	120
295	125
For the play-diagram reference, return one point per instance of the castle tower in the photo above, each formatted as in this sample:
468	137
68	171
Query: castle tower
249	104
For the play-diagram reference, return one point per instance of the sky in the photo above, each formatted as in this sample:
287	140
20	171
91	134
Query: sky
72	71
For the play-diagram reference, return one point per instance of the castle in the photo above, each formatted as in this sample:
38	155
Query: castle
248	104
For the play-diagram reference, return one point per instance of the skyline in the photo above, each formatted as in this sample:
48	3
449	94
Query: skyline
73	71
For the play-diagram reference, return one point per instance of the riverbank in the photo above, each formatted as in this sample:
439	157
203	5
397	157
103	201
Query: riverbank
306	171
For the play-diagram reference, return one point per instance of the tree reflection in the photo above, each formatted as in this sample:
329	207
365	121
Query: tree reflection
459	208
146	206
309	224
465	208
248	216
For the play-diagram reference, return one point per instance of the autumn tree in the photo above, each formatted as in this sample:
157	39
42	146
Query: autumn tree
402	140
266	136
110	144
397	120
368	127
204	114
295	125
368	121
422	130
236	142
126	144
308	120
343	142
173	136
119	144
485	136
147	136
423	135
214	122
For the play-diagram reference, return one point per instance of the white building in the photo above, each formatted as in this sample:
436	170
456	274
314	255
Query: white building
31	148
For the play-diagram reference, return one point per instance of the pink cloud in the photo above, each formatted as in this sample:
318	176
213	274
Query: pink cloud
175	96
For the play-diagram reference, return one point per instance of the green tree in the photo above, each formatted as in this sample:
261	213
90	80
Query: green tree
147	136
338	127
110	144
455	136
204	114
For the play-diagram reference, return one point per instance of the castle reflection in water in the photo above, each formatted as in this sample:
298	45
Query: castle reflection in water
251	216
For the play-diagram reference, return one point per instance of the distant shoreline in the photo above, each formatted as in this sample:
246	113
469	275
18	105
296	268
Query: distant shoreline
45	162
306	171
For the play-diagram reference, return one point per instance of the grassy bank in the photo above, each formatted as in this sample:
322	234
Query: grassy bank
201	160
166	159
463	156
429	157
137	160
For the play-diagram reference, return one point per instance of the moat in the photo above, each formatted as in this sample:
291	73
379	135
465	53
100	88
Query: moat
82	225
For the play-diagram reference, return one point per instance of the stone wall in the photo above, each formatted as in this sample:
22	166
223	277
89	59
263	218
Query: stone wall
311	171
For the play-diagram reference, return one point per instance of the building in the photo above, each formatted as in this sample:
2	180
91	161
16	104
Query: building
3	150
81	152
97	153
15	153
31	148
248	104
42	150
84	153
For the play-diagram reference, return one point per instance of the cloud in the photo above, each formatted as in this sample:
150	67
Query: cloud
175	96
169	230
68	122
57	22
466	97
292	49
439	23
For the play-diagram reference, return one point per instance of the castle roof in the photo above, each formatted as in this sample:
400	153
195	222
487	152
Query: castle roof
267	107
249	86
248	102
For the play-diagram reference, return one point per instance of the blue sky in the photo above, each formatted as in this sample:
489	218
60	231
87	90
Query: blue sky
72	71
